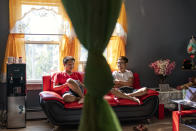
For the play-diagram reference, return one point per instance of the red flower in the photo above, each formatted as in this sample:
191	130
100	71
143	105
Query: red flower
190	49
162	67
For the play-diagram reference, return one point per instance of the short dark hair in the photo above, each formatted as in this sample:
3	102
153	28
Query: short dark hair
124	58
67	58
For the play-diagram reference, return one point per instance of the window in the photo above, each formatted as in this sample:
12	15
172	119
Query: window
83	58
40	20
41	59
43	27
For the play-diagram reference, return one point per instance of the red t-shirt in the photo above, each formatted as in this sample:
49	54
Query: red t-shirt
61	78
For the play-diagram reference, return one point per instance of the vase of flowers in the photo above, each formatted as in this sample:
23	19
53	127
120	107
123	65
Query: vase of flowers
163	68
162	79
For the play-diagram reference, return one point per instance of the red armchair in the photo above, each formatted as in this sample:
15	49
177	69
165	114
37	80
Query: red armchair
61	113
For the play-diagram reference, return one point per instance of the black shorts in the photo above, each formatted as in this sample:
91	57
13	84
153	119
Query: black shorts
127	89
71	92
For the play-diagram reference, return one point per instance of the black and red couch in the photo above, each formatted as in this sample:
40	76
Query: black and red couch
61	113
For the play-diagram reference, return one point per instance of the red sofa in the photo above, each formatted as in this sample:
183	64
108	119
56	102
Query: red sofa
61	113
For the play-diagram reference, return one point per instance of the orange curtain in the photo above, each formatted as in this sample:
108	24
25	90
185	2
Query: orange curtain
69	47
14	12
116	46
15	48
122	19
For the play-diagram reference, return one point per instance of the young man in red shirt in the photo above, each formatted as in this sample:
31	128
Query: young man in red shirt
69	83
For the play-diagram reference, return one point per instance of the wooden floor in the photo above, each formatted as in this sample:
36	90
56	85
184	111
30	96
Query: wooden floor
155	125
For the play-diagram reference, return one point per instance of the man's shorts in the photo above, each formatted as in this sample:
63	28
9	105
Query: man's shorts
71	92
127	89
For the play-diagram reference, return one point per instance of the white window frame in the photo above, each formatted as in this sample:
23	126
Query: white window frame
39	42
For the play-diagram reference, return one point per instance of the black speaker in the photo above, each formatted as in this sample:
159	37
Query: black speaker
16	79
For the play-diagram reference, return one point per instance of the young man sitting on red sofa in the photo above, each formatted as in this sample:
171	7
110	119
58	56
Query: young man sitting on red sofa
123	82
70	83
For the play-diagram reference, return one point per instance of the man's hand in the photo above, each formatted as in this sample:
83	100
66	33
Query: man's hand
185	86
117	83
65	84
59	87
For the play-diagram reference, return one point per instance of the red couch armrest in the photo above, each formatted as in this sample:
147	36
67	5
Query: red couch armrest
46	83
49	95
136	81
